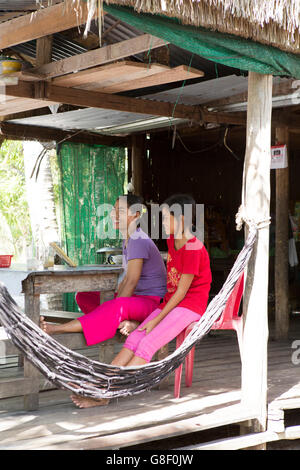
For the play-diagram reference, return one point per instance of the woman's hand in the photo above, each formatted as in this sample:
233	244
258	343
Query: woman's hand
149	326
182	288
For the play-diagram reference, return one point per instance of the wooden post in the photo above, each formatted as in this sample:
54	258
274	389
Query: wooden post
44	50
257	203
32	301
137	152
281	245
31	400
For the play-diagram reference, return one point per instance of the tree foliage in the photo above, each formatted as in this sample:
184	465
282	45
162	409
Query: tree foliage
13	203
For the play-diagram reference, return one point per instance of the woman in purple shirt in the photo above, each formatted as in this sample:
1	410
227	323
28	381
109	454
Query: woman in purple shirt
139	293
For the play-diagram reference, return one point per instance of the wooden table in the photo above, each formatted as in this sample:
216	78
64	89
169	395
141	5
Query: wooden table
81	279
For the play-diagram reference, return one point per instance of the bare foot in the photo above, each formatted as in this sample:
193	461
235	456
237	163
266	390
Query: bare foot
48	328
126	327
83	402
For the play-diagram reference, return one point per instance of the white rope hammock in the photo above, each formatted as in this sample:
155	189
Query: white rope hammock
83	376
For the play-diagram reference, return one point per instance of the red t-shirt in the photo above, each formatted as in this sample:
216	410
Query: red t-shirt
192	258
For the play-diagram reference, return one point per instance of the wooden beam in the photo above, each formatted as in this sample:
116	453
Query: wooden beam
282	244
92	99
176	74
223	118
29	94
256	191
108	74
119	103
43	22
85	98
19	105
100	56
22	90
126	75
12	131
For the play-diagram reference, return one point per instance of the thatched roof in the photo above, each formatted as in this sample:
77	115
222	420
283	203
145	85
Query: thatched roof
273	22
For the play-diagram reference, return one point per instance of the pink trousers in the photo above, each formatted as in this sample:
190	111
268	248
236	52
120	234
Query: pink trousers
145	345
101	321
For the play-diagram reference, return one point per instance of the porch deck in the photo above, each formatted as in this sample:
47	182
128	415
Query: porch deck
213	401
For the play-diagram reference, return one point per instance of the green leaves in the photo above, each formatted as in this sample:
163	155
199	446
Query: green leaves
13	204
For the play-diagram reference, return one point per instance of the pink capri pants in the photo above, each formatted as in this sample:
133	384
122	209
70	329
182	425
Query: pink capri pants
145	345
101	321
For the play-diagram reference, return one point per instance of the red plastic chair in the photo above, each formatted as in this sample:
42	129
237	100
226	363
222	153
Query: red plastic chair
229	320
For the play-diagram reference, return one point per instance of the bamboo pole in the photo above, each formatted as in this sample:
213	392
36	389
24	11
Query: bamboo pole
257	202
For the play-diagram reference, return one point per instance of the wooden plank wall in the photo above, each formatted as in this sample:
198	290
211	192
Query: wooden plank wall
213	177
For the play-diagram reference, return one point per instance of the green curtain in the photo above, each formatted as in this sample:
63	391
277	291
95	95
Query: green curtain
90	176
225	49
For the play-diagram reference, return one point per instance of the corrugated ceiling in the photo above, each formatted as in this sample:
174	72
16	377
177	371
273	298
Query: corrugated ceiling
61	48
204	92
99	120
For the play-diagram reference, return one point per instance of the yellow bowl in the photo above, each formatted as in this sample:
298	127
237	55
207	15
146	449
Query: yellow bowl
8	66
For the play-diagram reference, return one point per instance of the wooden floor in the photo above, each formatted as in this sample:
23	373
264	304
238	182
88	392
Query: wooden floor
213	401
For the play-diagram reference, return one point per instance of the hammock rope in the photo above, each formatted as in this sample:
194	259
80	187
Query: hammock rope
83	376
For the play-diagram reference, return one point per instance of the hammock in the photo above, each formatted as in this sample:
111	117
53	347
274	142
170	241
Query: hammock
83	376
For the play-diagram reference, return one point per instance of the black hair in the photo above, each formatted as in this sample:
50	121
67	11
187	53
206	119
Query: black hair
133	200
181	200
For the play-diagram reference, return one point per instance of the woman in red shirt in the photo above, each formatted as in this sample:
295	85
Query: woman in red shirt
188	283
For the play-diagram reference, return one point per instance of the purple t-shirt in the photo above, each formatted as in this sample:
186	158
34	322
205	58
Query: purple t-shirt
153	280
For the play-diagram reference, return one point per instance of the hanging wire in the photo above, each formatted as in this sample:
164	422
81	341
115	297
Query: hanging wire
149	53
226	145
182	86
221	141
206	149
